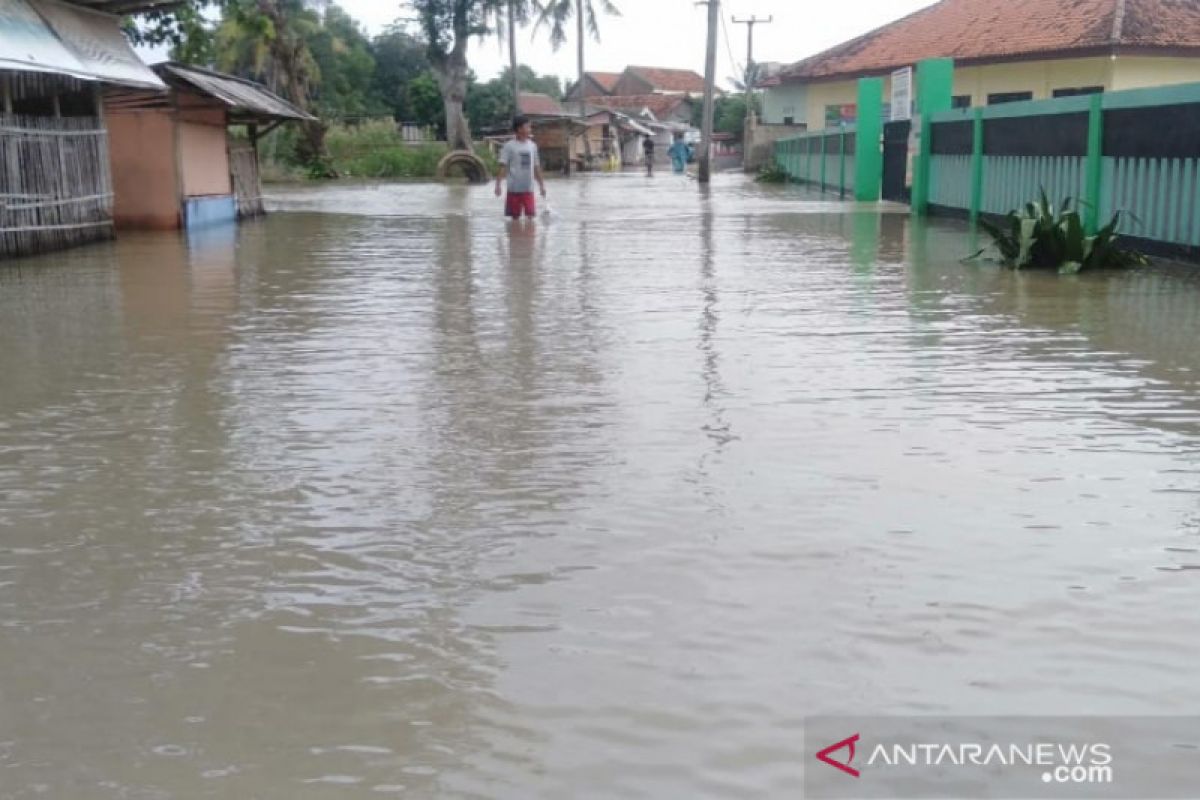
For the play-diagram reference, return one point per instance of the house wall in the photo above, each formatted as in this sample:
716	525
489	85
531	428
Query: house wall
1041	78
204	154
145	179
785	101
1138	72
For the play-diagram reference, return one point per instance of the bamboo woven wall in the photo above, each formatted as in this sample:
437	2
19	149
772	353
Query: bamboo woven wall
55	183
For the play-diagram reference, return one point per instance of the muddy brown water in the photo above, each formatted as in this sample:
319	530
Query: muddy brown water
378	498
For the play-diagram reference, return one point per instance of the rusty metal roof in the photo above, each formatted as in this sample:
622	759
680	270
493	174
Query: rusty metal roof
247	100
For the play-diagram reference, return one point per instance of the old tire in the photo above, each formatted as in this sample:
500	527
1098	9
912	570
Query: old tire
465	164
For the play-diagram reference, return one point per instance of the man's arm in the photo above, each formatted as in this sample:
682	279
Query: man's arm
537	175
501	174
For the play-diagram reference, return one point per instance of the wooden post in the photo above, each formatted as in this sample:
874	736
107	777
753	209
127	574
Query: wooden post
6	91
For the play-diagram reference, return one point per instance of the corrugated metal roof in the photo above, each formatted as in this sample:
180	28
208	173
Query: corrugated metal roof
242	96
97	41
48	36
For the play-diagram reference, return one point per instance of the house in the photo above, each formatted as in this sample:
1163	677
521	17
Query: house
655	107
636	81
658	80
174	161
595	84
1003	52
536	104
56	61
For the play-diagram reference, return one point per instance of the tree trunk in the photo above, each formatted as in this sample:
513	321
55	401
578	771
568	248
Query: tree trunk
512	57
579	29
452	80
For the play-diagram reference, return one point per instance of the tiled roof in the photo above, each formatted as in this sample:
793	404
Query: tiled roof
659	104
543	104
606	80
982	30
670	80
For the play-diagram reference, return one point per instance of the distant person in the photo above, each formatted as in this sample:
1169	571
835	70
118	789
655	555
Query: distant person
520	165
679	154
648	150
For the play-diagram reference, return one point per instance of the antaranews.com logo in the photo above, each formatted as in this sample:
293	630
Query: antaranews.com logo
1021	758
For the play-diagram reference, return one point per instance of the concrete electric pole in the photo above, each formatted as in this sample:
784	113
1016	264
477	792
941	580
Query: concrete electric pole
750	72
710	82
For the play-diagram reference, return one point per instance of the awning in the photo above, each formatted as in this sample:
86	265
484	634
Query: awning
247	101
49	36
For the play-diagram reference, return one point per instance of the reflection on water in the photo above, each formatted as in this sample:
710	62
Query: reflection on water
382	496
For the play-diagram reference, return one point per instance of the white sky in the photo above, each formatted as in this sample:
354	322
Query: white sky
671	33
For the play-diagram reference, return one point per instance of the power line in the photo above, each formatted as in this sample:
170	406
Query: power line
729	46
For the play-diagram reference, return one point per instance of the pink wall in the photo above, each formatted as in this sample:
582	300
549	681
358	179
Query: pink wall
204	153
142	147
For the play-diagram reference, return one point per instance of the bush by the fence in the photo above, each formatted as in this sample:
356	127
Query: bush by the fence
1042	236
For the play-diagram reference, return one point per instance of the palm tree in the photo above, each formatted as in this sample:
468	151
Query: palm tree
508	15
558	13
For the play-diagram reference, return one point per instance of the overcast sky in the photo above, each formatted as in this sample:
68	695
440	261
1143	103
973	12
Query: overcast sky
671	33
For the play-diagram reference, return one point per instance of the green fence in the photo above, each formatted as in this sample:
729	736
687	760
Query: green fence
825	159
1135	152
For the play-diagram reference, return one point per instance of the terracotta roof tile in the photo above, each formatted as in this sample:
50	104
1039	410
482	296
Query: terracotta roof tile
994	29
606	80
541	104
659	104
670	80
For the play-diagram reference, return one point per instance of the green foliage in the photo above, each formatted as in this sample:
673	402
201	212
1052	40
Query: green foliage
558	15
424	101
1041	236
772	173
729	114
400	61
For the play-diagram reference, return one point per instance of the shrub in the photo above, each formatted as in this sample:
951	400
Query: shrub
772	173
1041	236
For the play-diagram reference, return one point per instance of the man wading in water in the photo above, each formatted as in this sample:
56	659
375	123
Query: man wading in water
519	163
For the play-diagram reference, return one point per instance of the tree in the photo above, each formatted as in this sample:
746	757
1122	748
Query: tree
558	13
425	101
508	15
448	26
400	59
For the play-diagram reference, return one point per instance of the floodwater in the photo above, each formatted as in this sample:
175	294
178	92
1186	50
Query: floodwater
379	498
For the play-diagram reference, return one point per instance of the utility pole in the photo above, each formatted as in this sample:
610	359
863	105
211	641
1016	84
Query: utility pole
710	82
750	74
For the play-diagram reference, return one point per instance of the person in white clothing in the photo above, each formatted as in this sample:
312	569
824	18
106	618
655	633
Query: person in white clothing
521	167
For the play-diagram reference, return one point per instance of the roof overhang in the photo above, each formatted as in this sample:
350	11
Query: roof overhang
48	36
249	103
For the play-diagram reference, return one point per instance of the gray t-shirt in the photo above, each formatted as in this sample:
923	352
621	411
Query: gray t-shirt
520	158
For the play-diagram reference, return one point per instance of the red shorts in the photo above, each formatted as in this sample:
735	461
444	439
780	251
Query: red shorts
518	202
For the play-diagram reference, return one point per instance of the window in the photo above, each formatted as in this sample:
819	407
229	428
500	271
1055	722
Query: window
789	120
1076	91
960	101
1008	97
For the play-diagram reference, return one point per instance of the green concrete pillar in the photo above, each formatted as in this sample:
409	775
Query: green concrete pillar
824	157
977	167
842	165
1095	165
868	148
935	90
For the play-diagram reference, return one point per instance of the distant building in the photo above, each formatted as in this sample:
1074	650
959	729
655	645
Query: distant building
658	80
535	104
1003	51
639	81
595	84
